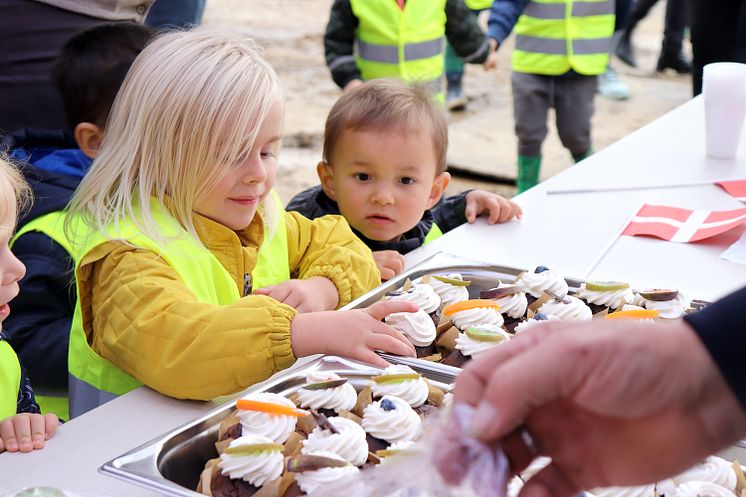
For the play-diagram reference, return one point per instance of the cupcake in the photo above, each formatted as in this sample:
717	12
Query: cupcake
451	288
671	304
349	443
421	294
277	427
713	469
403	382
418	327
250	461
326	392
512	301
538	318
315	470
480	338
567	308
474	312
701	489
541	280
392	420
605	295
634	313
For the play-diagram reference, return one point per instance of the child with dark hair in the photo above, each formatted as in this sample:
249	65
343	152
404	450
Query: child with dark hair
89	70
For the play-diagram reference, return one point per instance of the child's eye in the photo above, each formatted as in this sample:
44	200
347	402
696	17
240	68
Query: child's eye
268	155
406	180
362	176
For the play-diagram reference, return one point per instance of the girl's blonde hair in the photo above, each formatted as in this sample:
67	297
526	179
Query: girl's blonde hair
15	194
189	109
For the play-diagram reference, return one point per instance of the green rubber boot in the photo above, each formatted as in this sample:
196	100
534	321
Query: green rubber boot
578	158
528	172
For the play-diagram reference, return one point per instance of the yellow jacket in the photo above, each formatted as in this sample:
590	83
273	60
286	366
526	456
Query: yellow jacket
140	316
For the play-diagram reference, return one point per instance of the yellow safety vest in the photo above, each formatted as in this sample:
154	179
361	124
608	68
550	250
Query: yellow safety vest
404	44
52	225
433	234
554	36
94	380
10	380
479	4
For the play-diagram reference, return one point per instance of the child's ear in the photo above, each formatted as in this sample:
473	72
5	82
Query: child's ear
326	177
439	186
88	136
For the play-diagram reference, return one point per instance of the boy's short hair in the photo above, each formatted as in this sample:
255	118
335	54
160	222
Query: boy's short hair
91	67
388	104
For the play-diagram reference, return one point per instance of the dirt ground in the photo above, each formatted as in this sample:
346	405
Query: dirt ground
481	138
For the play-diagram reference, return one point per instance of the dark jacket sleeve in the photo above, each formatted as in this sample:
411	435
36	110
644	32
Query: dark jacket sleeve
39	324
464	34
503	16
312	203
721	327
450	212
26	401
339	41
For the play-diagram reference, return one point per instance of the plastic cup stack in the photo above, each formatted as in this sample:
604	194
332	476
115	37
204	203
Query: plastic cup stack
724	89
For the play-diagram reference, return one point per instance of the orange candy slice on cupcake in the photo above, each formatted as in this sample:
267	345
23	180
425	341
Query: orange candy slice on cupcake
465	305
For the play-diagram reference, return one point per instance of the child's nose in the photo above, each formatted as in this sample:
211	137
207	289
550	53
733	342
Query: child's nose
14	270
255	171
382	195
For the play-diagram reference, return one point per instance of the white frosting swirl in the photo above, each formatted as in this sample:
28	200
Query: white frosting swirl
422	295
470	347
702	489
418	326
278	427
530	323
575	310
536	283
713	469
476	316
449	294
256	468
349	443
414	392
309	481
397	425
669	309
341	397
513	306
447	401
612	299
639	491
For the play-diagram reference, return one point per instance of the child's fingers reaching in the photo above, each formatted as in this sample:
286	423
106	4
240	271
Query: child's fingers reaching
384	329
371	357
470	212
390	344
51	422
38	430
386	273
20	433
380	310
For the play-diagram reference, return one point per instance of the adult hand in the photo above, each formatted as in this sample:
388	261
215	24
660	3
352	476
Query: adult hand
500	210
310	295
26	432
352	85
491	61
389	262
612	403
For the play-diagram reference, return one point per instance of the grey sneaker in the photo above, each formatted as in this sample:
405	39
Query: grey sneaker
455	98
611	87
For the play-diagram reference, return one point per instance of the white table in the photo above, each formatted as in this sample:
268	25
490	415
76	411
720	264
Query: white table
565	232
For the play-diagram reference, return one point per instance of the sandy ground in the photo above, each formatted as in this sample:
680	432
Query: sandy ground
481	138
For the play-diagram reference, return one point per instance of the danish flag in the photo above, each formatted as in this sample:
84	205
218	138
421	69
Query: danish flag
735	188
682	225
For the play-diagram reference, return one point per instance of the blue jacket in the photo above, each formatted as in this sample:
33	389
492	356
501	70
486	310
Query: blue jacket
39	324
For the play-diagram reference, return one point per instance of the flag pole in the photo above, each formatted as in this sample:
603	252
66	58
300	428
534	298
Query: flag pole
600	189
610	244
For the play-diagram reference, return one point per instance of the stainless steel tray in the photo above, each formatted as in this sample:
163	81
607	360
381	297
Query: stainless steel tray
171	464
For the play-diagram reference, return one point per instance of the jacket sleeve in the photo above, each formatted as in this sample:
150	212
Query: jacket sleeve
339	42
721	327
504	15
26	401
464	34
39	326
150	325
450	212
327	247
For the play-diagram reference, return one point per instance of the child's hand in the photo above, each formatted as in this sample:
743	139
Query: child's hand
352	85
356	334
500	210
309	295
26	432
491	61
389	262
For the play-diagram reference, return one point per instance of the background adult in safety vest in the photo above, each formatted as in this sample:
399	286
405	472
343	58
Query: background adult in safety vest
561	47
402	39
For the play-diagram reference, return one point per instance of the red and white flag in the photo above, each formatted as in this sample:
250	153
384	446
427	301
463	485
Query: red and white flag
682	225
736	188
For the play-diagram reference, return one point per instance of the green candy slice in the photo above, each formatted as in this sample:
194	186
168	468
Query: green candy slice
451	281
396	378
253	449
481	335
605	286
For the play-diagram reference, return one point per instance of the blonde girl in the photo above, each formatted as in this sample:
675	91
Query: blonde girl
21	427
183	277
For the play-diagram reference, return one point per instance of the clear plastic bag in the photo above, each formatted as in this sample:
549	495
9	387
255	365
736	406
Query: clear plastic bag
478	469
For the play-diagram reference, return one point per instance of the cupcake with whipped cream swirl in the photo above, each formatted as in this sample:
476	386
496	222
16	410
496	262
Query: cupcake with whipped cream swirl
512	305
670	304
349	443
402	382
568	308
713	469
311	480
480	338
701	489
537	319
605	294
421	294
451	288
391	419
474	312
327	392
277	427
418	327
540	280
255	459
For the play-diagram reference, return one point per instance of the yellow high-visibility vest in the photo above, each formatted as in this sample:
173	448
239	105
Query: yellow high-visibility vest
479	4
10	380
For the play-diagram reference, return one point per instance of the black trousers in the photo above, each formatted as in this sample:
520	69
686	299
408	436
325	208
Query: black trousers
718	34
675	23
31	34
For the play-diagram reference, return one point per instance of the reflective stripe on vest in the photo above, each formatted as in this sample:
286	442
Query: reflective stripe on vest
479	4
10	380
555	36
405	44
94	380
433	234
